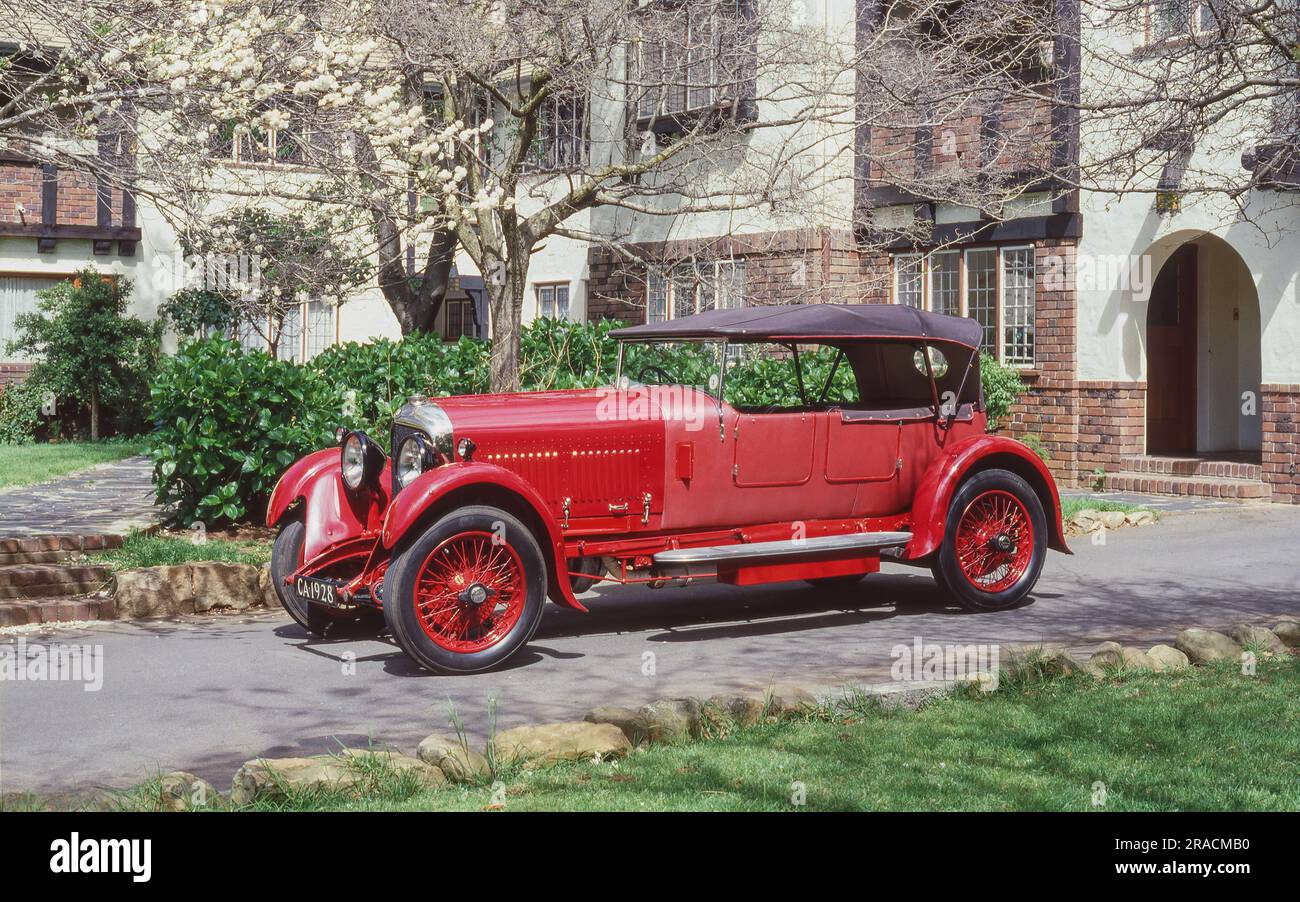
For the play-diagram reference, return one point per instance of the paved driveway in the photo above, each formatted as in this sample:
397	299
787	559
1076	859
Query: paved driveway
111	498
207	695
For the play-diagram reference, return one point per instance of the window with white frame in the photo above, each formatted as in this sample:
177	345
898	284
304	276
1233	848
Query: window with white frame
306	330
553	300
909	286
945	282
1018	305
994	286
689	288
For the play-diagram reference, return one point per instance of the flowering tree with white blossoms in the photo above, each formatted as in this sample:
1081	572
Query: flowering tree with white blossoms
202	106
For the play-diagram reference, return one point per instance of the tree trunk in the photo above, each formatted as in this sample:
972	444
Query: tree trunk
94	414
505	289
417	308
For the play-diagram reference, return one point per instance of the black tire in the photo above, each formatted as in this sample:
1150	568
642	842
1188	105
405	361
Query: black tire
582	572
992	487
286	557
835	583
400	609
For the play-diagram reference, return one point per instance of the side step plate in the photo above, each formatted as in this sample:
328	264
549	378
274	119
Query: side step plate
822	546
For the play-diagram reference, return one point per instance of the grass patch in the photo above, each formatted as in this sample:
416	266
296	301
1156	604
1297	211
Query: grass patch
1204	739
1072	505
143	550
32	464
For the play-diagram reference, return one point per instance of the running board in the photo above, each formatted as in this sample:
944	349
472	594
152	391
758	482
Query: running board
760	562
783	550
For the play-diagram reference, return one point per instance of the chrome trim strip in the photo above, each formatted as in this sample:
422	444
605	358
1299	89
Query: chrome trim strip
782	550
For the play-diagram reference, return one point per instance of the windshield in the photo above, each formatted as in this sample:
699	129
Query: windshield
693	363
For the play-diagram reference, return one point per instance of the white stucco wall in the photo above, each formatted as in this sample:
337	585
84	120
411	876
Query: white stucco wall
1262	286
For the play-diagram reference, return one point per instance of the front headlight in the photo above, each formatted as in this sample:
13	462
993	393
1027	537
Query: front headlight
413	457
361	460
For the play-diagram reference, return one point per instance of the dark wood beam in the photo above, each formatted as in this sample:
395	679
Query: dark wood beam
1029	228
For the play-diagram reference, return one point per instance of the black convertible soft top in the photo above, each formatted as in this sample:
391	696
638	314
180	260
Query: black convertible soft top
807	322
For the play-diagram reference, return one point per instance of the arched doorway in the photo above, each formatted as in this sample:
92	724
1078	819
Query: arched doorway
1202	352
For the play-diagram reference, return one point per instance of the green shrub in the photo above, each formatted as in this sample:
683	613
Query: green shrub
20	413
88	351
559	354
368	383
1035	443
227	424
197	311
1002	386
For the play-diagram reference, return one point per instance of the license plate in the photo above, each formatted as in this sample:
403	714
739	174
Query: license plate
318	591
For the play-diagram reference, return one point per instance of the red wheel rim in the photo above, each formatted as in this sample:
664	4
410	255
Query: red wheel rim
470	592
995	541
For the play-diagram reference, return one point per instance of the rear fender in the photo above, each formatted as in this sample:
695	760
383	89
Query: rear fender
452	485
981	452
331	514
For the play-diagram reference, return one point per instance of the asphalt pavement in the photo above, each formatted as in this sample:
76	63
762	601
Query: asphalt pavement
206	694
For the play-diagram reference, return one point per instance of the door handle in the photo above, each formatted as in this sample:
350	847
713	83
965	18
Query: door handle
618	508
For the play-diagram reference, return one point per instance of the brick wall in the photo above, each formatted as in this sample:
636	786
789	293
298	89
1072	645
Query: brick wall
1019	134
20	184
1280	406
76	199
1112	424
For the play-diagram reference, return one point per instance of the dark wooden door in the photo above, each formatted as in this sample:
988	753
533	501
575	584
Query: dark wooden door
1171	356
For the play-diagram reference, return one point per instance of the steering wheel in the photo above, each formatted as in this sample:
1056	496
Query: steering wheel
657	371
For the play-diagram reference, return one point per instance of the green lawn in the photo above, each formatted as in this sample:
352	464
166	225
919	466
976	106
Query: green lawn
1208	738
1072	505
30	464
141	550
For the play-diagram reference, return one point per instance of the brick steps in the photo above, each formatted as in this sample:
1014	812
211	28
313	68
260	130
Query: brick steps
56	610
46	579
1220	487
48	549
1191	466
51	580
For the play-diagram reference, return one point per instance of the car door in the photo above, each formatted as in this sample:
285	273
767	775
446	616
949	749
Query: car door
774	449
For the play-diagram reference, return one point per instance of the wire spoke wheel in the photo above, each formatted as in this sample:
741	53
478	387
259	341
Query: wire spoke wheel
995	541
470	592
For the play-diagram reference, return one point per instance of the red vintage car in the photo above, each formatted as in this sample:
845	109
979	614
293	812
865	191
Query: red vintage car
751	445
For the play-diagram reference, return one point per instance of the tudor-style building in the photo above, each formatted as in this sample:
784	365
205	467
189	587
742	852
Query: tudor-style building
1158	342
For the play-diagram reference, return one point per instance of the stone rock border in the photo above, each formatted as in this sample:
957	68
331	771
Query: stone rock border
1090	520
194	587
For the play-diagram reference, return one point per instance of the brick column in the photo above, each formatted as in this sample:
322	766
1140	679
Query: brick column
1280	407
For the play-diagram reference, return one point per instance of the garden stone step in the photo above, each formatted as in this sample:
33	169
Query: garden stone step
57	610
52	580
1196	486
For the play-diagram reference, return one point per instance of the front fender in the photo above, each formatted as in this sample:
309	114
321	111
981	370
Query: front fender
940	482
432	487
332	514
